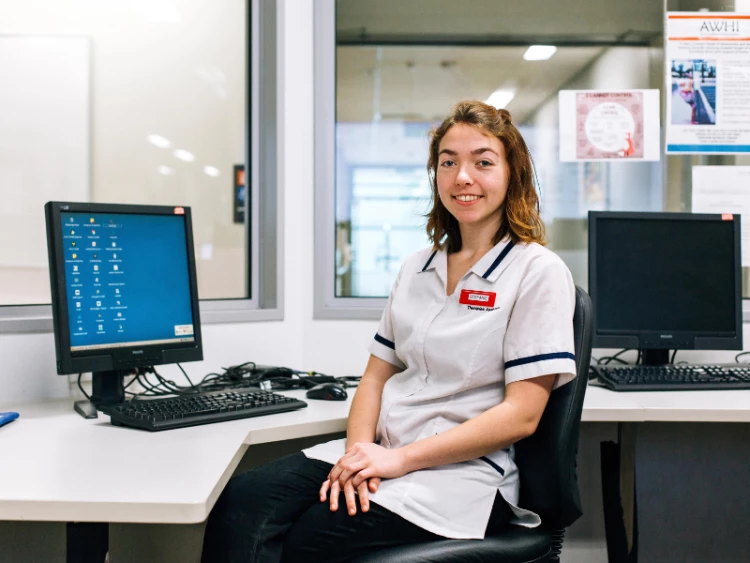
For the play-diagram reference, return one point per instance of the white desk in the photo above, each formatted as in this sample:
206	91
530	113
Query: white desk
59	467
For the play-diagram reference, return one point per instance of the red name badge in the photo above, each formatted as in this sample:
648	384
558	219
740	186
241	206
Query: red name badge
479	298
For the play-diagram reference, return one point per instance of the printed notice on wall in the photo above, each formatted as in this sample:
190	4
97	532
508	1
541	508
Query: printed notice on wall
708	83
724	189
605	125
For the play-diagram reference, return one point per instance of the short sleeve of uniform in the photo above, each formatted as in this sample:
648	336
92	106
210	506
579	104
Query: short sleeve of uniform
539	338
384	344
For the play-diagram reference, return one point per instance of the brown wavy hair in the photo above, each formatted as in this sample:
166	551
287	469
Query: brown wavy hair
520	210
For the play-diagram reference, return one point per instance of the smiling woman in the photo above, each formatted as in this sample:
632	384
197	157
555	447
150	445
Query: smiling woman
496	165
476	333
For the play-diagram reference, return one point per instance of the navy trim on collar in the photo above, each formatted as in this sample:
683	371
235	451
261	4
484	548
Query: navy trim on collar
539	358
427	265
499	259
384	341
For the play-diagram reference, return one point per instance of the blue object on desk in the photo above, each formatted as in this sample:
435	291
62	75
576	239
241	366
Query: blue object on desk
6	417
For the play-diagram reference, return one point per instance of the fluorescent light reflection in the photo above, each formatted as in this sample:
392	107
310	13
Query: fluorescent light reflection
539	52
165	170
211	171
159	141
500	98
182	154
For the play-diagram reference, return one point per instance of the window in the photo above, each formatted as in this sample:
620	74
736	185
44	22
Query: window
144	102
384	77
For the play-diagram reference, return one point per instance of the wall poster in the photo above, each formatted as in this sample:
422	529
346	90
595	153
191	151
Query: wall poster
707	83
609	125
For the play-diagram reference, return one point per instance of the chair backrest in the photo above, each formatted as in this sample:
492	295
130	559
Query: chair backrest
547	459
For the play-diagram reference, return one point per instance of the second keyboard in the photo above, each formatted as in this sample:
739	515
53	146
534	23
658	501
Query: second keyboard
679	377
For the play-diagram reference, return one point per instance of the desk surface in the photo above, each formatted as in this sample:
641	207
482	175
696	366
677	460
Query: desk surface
56	466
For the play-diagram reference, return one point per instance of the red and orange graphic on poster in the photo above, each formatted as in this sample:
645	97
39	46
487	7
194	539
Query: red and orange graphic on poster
609	125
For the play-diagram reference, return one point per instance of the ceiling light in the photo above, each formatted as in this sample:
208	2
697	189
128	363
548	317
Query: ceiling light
500	98
211	171
182	154
539	52
165	170
159	141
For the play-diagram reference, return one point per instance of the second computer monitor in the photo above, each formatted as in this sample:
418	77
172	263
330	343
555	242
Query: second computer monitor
662	281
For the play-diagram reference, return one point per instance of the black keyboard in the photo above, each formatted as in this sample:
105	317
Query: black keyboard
192	410
678	377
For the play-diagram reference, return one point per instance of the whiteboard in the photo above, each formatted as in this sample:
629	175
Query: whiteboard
45	129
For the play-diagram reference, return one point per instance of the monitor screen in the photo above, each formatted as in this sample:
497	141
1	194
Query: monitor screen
124	292
126	280
665	280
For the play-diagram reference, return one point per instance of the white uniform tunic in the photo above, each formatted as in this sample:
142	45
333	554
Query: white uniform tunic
510	318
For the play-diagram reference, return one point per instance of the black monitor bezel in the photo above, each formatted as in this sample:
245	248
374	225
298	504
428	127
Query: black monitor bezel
684	340
121	358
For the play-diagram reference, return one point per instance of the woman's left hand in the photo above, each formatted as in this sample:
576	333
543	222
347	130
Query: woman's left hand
365	460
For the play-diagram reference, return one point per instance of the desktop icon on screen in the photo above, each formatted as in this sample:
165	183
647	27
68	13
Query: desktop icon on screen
98	303
115	267
91	220
75	256
96	268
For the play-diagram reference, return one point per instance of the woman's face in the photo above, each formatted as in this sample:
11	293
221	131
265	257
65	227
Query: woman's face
472	176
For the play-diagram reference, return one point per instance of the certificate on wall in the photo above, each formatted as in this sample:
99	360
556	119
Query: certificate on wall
723	189
609	125
707	83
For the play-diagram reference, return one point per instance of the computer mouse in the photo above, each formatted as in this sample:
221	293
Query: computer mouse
328	392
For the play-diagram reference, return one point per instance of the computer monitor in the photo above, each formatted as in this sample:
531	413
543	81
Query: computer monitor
124	291
665	281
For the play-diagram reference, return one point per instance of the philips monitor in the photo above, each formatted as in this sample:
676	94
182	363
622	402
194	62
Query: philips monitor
124	291
661	281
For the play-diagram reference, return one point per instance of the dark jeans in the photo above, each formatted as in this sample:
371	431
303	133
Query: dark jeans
273	513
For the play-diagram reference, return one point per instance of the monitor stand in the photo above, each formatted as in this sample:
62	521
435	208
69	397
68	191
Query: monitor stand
107	389
654	356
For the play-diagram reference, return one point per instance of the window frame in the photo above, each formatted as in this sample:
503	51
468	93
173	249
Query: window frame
264	205
326	305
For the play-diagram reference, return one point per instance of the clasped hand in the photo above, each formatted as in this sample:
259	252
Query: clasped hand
358	472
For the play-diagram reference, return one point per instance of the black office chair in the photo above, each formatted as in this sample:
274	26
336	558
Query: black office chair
549	483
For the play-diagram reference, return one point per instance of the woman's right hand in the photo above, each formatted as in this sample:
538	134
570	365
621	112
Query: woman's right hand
350	494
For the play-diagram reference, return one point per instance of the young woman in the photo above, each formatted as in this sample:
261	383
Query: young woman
475	335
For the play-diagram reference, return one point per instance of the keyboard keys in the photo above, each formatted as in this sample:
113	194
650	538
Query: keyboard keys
674	377
191	410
